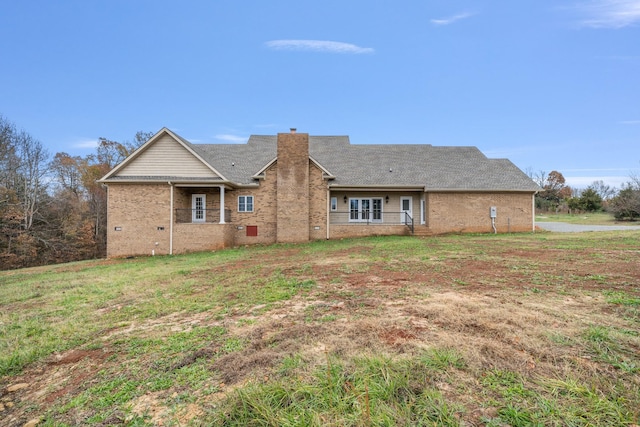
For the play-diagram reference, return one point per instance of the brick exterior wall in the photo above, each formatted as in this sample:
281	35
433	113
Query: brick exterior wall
142	215
317	203
469	212
292	188
354	230
201	237
263	215
138	211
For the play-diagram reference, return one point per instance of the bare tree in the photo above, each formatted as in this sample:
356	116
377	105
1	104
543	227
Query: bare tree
32	169
603	190
8	158
53	210
539	177
67	171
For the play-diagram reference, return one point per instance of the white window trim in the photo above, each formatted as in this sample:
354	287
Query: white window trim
246	197
360	216
194	209
334	204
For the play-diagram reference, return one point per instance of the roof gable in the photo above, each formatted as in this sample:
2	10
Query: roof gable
164	155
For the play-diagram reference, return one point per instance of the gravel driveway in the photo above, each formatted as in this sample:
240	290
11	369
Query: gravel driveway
563	227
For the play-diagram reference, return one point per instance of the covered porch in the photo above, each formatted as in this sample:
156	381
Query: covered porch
199	218
192	204
361	212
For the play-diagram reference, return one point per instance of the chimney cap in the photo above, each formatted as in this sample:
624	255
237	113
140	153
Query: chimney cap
293	130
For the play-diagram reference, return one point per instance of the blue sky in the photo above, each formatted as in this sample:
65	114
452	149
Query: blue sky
551	85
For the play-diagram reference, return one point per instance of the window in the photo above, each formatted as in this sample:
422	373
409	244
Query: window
354	210
245	203
365	210
334	204
377	209
198	207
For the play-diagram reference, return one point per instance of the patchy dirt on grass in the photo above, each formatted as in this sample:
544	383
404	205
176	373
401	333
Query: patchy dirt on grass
517	309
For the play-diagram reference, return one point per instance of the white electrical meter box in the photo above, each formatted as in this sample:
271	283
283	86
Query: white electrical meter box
493	212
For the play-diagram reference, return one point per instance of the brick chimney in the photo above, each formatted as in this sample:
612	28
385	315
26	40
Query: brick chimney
292	188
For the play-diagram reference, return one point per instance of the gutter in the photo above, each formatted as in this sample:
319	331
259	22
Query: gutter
479	190
429	190
376	187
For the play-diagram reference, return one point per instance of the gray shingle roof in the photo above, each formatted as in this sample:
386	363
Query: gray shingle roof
435	168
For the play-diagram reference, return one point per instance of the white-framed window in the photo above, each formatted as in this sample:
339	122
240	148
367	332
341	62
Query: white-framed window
365	210
245	203
198	208
334	204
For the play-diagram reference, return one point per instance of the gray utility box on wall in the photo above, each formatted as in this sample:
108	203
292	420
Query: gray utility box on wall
493	212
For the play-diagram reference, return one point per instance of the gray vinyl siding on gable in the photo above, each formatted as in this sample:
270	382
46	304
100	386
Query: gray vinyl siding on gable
166	157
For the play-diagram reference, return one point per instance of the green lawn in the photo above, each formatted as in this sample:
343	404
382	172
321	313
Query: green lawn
495	330
593	218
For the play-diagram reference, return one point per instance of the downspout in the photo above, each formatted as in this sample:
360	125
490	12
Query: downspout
171	221
533	212
328	210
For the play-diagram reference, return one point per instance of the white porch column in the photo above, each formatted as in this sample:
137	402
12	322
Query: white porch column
222	204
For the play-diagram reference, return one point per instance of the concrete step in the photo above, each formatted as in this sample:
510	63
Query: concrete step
422	231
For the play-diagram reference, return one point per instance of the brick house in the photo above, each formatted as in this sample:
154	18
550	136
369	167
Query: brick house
171	196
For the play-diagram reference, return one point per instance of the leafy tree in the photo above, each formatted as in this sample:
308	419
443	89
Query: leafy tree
590	200
626	205
574	204
554	190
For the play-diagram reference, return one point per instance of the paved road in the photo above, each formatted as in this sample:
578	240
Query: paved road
563	227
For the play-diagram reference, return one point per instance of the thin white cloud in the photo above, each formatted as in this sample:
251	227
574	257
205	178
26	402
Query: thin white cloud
451	19
86	143
616	181
234	139
596	170
630	122
318	46
610	13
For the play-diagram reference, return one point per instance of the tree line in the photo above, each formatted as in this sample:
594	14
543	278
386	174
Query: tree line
52	209
556	196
